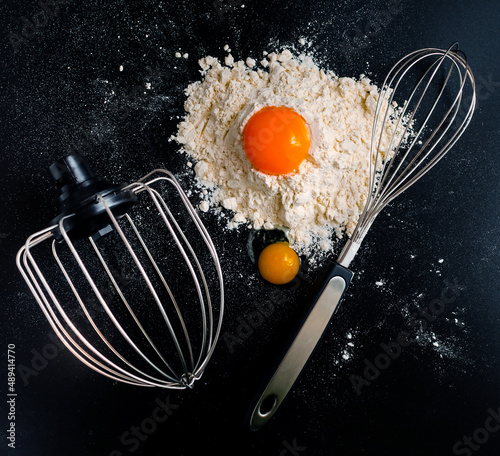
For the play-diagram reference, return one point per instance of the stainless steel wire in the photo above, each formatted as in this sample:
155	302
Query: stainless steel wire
122	342
439	94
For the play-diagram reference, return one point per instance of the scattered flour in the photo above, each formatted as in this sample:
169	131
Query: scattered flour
329	190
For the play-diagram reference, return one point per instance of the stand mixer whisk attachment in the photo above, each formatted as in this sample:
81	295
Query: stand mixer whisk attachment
128	277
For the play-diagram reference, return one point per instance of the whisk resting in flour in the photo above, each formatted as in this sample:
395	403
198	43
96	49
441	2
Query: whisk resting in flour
440	95
428	125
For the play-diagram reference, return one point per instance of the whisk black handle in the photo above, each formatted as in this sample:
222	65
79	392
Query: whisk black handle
324	300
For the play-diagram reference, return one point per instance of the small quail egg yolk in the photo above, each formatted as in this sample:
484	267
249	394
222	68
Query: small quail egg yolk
278	263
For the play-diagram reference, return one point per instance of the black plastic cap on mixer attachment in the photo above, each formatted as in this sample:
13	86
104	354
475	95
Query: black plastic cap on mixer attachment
78	200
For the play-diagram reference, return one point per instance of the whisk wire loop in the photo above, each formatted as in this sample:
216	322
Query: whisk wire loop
132	314
102	302
83	342
27	266
163	280
164	209
165	175
406	177
149	285
409	155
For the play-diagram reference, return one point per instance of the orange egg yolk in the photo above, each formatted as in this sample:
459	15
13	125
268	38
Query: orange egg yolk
278	263
276	140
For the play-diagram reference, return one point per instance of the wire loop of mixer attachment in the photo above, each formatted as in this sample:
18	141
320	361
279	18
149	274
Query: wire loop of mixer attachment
116	299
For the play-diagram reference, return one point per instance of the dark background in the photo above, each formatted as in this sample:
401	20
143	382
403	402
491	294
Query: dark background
61	90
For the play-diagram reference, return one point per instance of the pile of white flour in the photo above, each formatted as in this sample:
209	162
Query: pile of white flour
329	191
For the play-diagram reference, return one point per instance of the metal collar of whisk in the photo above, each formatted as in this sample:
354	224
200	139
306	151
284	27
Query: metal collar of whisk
121	312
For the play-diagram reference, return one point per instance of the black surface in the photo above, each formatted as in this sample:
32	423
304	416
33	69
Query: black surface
62	91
